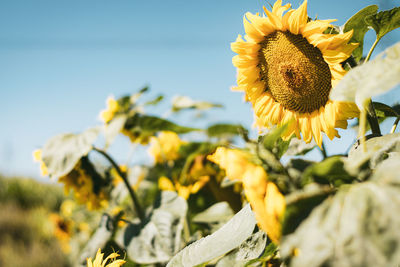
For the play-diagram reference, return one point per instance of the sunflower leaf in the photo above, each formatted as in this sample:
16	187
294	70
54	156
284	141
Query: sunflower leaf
155	101
249	250
360	27
382	110
183	102
370	79
144	124
224	129
112	129
384	21
159	237
62	152
357	227
233	233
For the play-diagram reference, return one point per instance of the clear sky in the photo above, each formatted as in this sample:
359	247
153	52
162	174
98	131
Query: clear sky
59	60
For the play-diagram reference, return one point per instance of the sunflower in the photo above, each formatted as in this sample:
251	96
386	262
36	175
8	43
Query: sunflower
287	66
263	195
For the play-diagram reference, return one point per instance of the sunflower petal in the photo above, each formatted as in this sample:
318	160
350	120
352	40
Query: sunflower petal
298	18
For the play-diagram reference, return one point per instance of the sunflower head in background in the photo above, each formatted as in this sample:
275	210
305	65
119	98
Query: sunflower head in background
287	66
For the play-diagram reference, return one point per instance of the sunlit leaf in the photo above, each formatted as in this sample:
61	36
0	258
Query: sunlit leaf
357	227
144	124
228	237
159	237
155	101
370	79
376	150
183	102
98	239
225	129
249	250
328	171
112	129
299	147
384	21
220	211
62	152
360	27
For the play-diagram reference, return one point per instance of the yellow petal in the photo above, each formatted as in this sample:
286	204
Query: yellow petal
275	20
305	126
242	61
316	26
298	18
165	184
278	9
316	128
251	31
244	48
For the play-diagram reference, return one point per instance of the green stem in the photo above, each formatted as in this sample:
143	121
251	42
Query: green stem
372	119
323	151
371	50
132	194
395	125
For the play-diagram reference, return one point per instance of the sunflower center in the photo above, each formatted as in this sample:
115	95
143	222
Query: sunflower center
294	72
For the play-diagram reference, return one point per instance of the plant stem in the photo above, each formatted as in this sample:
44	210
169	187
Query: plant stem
371	50
323	151
372	119
132	194
395	125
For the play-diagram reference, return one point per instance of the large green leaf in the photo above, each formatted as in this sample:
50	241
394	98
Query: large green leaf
98	240
377	149
384	21
249	250
159	237
360	27
357	227
219	212
62	152
183	102
329	171
228	237
225	129
370	79
112	129
140	123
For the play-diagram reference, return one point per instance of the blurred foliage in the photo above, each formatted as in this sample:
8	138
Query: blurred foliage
26	234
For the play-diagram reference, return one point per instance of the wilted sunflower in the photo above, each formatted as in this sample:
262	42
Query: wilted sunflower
287	67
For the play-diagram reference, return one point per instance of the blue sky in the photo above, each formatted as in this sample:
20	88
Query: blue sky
61	59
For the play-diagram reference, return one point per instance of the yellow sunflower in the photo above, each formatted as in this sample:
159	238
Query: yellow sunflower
264	197
287	66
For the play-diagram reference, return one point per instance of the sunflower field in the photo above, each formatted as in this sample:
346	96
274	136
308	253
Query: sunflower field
224	195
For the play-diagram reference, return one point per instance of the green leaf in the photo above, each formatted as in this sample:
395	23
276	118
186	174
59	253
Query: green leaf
357	227
228	237
135	97
160	237
330	171
298	147
370	79
155	101
300	203
382	110
148	125
62	152
98	240
112	129
249	250
219	212
183	103
384	21
224	129
376	150
360	27
273	141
